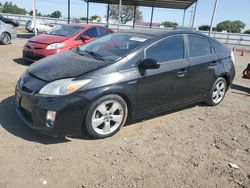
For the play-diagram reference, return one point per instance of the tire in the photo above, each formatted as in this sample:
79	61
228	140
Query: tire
33	30
100	119
5	38
217	92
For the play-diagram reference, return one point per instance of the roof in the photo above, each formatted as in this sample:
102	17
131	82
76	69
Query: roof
150	32
160	32
174	4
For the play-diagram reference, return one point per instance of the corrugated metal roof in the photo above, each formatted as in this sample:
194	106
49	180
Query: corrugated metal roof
174	4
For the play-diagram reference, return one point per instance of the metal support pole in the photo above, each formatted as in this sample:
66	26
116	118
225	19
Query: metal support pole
34	16
183	20
68	11
108	14
119	14
194	13
191	16
212	20
135	7
152	14
87	12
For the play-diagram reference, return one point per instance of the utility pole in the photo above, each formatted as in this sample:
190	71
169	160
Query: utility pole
212	20
34	16
119	14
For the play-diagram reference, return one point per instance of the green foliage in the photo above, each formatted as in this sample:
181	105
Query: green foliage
169	24
37	13
204	28
9	7
76	20
56	14
127	13
95	18
231	26
83	19
247	31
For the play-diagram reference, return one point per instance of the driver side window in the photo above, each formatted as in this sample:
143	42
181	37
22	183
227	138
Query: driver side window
92	32
169	49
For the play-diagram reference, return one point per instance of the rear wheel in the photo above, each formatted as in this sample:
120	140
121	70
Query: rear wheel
5	38
106	116
217	92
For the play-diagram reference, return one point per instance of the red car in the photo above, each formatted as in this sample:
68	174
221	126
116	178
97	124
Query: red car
61	38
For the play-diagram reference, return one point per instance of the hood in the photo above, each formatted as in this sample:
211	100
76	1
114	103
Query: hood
47	39
64	65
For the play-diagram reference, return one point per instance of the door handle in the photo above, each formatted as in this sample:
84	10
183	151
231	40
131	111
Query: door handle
214	63
181	73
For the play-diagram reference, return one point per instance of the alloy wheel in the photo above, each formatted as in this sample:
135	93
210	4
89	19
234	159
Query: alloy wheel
107	117
219	92
5	38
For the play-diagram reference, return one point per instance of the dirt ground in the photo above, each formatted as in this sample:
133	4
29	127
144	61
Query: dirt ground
191	147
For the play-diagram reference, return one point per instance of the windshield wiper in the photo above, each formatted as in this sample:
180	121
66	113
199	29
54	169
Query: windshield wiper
96	55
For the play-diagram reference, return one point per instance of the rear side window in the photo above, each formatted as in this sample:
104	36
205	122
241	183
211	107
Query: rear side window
218	48
198	46
92	32
168	49
103	31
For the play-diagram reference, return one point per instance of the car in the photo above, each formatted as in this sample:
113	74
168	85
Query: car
40	26
122	77
10	21
7	33
61	38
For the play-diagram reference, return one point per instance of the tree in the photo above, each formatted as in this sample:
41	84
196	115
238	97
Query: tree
8	7
37	13
83	19
127	13
247	31
95	18
231	26
56	14
204	28
169	24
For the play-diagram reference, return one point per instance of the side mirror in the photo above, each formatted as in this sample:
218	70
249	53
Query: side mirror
85	38
149	64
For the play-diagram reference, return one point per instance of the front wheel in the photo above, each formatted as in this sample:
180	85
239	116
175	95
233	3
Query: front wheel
106	116
5	38
217	92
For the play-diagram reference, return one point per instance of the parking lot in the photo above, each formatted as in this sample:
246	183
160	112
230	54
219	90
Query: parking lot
189	147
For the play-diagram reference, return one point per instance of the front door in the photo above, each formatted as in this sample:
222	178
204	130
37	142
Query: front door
163	88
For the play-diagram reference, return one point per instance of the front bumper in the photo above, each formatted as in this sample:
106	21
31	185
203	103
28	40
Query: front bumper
70	112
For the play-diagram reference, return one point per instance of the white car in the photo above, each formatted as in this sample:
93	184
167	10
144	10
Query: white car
40	26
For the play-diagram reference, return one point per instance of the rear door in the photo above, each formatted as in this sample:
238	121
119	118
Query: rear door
202	66
164	88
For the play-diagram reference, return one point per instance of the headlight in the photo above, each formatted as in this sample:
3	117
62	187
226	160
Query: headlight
63	87
55	46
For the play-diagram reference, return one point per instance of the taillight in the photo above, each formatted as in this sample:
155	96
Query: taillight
232	57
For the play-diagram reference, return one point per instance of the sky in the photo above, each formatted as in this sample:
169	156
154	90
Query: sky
226	10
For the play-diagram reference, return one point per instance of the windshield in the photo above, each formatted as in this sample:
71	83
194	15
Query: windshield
113	46
65	30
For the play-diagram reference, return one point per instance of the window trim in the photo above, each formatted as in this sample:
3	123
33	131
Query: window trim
188	49
161	39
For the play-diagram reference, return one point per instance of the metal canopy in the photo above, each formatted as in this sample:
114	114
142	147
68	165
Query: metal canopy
174	4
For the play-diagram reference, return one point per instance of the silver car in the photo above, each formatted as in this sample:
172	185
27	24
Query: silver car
7	33
40	26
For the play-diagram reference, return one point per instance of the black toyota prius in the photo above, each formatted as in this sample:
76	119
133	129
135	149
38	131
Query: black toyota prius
126	75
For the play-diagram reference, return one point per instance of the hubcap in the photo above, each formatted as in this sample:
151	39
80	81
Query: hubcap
107	117
6	38
219	92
